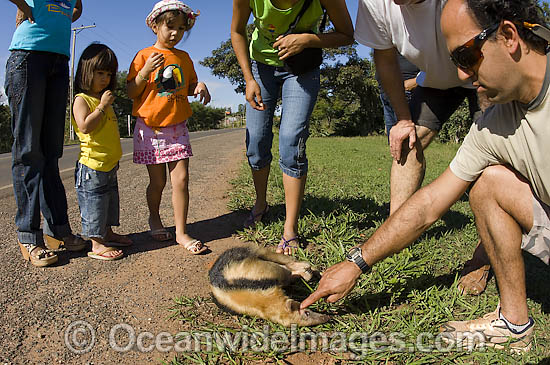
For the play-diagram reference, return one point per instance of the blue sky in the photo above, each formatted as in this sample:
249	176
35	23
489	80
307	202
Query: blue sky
121	25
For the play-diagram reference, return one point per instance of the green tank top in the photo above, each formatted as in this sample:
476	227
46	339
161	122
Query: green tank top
271	22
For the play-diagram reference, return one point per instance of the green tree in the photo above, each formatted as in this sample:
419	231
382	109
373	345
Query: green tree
204	117
6	138
348	103
122	104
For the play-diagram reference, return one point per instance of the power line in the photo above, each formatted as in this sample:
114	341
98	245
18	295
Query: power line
71	85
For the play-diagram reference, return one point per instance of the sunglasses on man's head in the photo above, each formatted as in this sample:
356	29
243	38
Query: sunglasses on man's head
467	56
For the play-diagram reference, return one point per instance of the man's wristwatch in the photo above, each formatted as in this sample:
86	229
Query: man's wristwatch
355	256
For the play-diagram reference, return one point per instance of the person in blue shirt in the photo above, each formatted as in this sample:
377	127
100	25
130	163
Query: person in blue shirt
37	82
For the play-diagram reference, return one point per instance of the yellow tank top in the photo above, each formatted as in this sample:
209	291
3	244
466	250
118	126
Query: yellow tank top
100	149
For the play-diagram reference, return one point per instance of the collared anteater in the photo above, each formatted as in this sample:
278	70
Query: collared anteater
250	281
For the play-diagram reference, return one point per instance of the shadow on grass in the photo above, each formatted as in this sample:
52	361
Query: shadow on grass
369	208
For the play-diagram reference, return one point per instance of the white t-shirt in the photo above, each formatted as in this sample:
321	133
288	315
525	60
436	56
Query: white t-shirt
515	134
415	32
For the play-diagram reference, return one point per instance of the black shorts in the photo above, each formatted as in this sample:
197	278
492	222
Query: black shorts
431	108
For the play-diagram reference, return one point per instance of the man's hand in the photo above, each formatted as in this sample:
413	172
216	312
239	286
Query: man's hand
202	92
335	283
398	134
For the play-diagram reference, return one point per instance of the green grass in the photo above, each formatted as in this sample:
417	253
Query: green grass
411	292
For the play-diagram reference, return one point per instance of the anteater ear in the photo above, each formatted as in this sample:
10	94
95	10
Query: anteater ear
291	305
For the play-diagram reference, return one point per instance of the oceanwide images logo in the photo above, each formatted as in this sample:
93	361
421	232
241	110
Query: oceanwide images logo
80	337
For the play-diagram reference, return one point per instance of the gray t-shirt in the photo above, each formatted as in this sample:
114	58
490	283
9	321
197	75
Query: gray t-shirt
515	134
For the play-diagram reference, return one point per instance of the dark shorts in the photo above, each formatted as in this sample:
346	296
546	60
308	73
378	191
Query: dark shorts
432	107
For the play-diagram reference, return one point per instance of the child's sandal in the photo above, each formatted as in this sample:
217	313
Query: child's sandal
38	256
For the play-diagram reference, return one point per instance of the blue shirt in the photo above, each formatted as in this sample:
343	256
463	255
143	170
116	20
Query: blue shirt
51	31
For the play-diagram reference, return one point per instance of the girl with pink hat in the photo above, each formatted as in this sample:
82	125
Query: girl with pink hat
159	80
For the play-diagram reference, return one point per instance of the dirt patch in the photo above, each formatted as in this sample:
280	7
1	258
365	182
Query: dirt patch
38	305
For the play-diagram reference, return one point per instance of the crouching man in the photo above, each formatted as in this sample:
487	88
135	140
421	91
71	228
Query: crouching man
496	45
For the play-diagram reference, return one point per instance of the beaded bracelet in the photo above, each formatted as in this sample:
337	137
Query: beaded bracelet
141	77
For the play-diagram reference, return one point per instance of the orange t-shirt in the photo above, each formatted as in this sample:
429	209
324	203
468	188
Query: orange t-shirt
164	102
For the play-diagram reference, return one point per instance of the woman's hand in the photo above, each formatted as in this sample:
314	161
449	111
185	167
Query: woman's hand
254	96
290	44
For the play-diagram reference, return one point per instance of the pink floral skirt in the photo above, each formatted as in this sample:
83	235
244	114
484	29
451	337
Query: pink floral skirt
160	145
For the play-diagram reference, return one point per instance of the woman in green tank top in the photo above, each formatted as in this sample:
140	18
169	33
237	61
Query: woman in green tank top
261	62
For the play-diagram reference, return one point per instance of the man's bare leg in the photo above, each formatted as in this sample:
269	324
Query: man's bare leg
502	203
407	174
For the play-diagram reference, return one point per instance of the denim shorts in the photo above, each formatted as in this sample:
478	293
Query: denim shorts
98	200
298	94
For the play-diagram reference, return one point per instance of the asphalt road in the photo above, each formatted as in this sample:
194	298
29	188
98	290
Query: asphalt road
70	155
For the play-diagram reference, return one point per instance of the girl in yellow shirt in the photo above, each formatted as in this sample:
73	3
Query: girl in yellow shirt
96	125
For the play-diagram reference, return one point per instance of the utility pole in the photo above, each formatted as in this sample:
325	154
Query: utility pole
71	81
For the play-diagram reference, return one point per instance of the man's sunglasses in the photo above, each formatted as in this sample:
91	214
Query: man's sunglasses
467	56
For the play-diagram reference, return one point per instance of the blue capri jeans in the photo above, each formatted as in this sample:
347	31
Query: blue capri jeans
98	200
298	94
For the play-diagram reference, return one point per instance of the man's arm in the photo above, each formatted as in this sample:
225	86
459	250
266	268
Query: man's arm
391	79
77	11
415	216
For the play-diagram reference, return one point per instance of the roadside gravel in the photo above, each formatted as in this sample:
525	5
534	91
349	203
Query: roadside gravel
37	305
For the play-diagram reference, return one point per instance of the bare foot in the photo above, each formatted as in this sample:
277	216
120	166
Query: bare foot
108	252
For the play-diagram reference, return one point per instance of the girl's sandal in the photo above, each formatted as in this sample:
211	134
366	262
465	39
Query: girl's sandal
194	247
38	256
282	247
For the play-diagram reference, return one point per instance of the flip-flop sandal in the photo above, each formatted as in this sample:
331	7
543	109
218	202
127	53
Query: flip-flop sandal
286	244
73	243
41	258
156	233
194	247
101	255
252	218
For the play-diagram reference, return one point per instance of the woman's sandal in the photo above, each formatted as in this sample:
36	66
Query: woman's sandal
73	243
254	218
38	256
286	244
194	247
101	255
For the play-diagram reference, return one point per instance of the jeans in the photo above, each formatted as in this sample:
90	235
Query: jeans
98	200
299	94
37	86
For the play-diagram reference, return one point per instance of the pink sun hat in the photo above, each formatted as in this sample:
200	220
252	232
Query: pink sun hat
167	5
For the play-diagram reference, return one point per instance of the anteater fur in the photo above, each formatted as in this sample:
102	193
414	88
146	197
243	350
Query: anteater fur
249	281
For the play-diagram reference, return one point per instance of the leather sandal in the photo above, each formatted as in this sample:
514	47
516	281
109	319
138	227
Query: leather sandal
38	256
475	274
73	243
